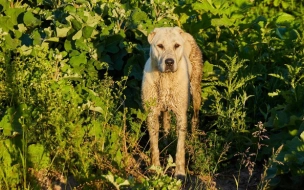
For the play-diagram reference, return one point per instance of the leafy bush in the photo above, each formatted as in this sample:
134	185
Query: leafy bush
70	75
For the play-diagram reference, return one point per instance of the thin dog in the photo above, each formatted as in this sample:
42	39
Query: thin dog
172	75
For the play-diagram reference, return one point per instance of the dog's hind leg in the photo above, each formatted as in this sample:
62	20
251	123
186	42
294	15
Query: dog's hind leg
166	119
196	99
166	122
196	59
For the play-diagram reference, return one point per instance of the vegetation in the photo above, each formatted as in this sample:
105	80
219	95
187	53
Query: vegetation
70	75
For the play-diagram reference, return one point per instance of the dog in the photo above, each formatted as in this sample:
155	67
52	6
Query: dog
172	75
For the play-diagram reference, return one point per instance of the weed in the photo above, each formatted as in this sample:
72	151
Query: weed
70	75
158	180
265	178
248	159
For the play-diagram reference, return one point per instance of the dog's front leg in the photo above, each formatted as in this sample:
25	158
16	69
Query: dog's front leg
180	150
153	128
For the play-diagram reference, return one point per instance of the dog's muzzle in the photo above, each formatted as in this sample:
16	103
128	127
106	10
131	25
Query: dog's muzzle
169	65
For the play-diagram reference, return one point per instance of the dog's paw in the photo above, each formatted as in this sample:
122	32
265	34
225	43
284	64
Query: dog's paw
181	177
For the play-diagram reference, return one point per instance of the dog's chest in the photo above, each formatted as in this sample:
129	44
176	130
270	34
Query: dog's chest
170	90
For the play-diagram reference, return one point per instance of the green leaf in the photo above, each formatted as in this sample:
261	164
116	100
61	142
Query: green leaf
118	157
302	136
82	45
276	3
68	45
7	148
13	14
38	157
78	35
6	125
278	33
74	53
96	130
222	21
205	5
52	39
112	48
81	1
30	20
77	60
93	20
99	65
6	24
139	16
294	145
10	121
273	94
62	32
5	4
242	2
133	67
118	59
277	76
36	38
285	5
76	24
109	177
21	28
208	69
87	31
40	2
285	18
112	43
11	43
70	8
271	172
25	50
183	18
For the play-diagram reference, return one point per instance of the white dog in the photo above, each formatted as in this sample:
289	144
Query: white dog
171	75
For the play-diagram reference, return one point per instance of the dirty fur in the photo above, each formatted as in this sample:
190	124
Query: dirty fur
172	76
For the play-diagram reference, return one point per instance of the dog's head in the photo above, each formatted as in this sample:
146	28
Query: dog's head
168	46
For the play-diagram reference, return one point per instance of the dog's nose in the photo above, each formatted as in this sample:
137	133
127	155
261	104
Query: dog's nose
169	62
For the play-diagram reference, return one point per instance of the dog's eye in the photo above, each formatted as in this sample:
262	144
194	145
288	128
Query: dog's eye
176	46
160	46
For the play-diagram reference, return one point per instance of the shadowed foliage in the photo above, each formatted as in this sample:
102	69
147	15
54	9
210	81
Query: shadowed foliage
70	75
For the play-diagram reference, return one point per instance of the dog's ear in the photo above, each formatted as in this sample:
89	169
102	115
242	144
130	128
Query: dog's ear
187	45
151	35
